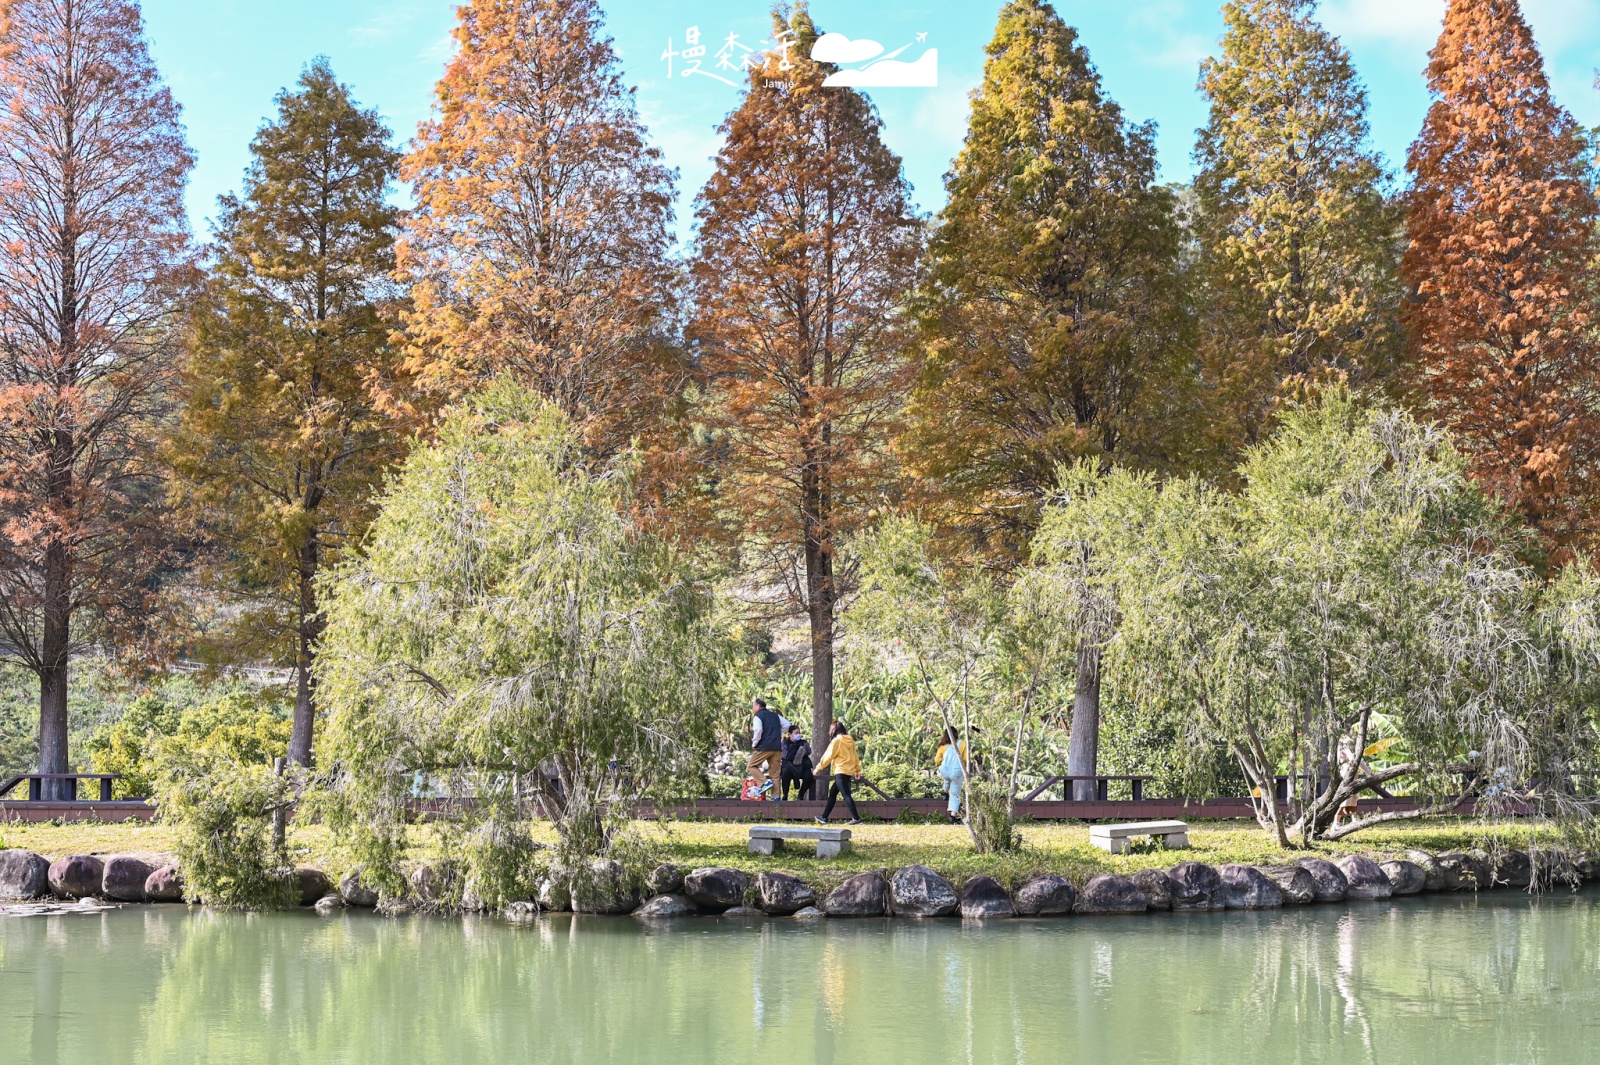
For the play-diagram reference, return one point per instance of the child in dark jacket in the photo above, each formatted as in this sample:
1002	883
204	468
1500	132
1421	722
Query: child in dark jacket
797	767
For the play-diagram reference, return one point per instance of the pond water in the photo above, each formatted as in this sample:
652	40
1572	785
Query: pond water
1498	979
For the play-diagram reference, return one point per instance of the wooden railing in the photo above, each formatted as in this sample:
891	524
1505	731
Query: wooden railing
36	784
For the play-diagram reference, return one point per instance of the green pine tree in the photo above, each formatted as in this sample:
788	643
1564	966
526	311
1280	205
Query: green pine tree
1052	314
1298	244
278	448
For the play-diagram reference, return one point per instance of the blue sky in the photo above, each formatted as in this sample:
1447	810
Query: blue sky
225	59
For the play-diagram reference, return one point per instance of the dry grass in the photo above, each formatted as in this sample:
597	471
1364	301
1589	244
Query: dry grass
1055	847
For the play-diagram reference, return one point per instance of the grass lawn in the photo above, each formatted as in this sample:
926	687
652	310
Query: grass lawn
1047	847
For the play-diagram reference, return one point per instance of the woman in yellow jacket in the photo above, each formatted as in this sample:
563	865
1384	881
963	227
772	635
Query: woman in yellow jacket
845	764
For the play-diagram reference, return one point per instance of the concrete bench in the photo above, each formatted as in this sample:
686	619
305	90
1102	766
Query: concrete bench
768	839
1114	838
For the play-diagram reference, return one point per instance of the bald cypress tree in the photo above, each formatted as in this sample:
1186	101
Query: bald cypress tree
1053	322
279	449
807	248
1051	313
1501	220
1298	244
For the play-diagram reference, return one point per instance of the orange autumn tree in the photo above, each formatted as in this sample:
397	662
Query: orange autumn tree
807	248
539	242
92	245
1500	220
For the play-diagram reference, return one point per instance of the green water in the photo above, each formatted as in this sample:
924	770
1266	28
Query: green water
1501	979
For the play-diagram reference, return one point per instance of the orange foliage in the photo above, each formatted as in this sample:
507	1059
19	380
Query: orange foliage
1500	220
539	243
92	244
807	249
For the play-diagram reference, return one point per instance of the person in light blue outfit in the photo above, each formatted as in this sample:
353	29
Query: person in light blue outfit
952	755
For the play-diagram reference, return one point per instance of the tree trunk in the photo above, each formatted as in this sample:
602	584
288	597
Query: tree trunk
310	630
54	652
819	595
1083	750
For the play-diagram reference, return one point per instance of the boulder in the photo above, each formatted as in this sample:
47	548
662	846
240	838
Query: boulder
23	875
1293	882
917	891
310	884
1196	886
430	884
521	912
1157	886
982	897
164	885
808	913
1327	880
329	905
1406	878
1434	878
1245	888
355	893
1511	869
1111	894
1363	878
864	895
122	878
716	889
1045	896
401	907
743	911
1462	872
782	895
1587	866
669	904
76	876
603	886
555	889
664	880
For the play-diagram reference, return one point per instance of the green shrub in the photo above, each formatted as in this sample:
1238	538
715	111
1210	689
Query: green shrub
216	786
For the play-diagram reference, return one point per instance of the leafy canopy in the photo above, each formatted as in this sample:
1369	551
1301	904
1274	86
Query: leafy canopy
510	634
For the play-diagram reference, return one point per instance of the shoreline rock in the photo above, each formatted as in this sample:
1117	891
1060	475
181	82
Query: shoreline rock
23	875
917	891
1247	888
716	889
1046	896
77	876
864	895
982	897
1327	879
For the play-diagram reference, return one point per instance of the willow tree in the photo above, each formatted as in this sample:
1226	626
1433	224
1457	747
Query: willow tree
93	244
806	250
1358	615
1298	243
538	245
1501	218
278	449
510	635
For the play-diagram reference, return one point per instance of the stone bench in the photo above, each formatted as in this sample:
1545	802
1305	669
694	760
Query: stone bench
768	839
1114	838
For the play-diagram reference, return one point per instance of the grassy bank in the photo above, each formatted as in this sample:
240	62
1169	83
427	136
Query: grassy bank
1052	848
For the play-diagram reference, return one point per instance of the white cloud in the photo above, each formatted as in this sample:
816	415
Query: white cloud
1407	22
837	48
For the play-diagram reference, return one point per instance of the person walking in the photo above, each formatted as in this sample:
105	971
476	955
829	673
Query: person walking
842	759
797	765
952	762
767	730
